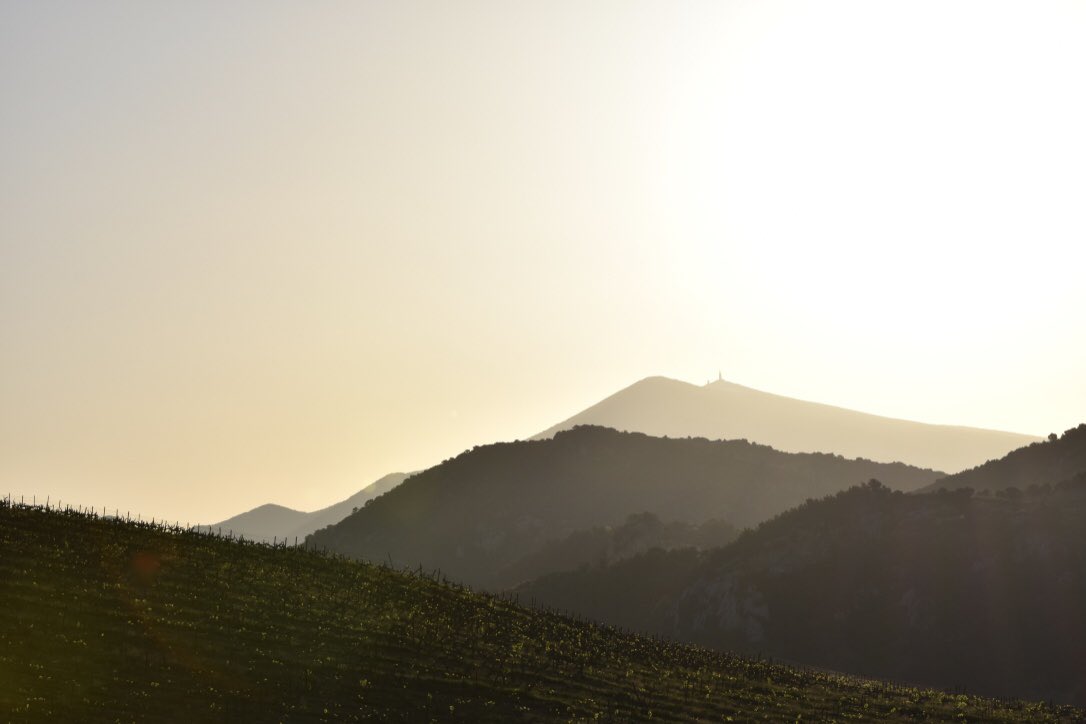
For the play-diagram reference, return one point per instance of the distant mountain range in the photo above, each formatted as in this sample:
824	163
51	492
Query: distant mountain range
275	522
718	411
947	588
725	411
479	513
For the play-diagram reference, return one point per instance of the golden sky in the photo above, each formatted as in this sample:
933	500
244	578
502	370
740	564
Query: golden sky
271	251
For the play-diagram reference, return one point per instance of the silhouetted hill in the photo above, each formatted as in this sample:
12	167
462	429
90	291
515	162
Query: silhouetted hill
274	522
941	589
104	620
1041	463
726	411
476	514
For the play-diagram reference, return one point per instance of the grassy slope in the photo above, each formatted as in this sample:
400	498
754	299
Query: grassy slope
106	620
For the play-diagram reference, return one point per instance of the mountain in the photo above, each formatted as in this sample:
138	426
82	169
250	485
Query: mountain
105	620
942	589
274	522
262	523
725	411
479	513
1040	464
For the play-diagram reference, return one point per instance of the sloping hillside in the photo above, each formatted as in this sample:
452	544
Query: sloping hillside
104	620
726	411
271	522
943	589
1040	464
480	512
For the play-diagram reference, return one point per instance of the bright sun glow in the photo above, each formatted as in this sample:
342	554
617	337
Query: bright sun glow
871	165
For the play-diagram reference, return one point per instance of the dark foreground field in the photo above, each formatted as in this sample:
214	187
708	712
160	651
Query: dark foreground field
106	620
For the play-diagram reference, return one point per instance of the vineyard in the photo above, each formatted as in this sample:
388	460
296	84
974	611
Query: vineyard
105	619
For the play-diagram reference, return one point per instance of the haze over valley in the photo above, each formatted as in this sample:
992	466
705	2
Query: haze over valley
979	588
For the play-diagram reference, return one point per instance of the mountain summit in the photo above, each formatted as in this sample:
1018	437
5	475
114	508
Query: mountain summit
724	410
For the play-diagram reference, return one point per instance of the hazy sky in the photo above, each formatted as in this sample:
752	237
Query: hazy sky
270	251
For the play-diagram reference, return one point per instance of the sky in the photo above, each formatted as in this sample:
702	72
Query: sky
268	252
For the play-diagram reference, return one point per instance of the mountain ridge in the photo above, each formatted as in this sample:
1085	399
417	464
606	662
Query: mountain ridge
477	513
662	406
1041	463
